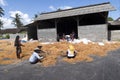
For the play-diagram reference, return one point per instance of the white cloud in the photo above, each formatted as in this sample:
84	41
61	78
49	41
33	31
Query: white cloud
3	2
52	8
25	17
65	7
61	7
8	21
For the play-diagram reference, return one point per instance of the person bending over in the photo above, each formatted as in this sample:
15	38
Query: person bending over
34	58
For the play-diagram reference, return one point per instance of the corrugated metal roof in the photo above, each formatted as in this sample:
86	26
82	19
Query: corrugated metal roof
77	11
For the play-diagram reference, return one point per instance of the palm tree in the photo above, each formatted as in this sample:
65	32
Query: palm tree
1	24
17	21
1	12
110	19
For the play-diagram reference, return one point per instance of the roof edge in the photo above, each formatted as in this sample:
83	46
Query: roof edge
76	8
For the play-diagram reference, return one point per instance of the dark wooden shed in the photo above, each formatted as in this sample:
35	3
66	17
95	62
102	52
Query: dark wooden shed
87	22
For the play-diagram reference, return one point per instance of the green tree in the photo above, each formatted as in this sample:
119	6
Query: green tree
59	9
110	19
1	24
36	15
1	14
17	21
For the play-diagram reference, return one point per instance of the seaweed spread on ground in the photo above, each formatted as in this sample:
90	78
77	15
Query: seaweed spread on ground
55	50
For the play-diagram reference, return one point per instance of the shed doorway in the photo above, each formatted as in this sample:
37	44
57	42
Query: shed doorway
67	26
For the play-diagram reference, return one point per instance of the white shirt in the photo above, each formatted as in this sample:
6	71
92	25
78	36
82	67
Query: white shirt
34	57
70	54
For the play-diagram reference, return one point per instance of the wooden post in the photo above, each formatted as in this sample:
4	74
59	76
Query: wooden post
56	24
36	24
109	35
56	21
77	21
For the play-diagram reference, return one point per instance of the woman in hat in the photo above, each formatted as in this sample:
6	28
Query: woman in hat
71	53
35	56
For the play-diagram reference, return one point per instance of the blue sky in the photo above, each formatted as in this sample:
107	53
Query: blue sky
28	8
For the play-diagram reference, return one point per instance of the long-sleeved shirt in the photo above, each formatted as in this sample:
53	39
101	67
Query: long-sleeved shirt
70	53
34	57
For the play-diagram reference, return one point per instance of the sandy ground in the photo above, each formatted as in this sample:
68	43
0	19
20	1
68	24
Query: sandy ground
102	68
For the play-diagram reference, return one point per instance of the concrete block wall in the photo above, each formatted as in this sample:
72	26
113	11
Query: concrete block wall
13	36
115	35
93	32
47	35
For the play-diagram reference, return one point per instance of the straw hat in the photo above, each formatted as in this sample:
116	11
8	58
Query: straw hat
37	50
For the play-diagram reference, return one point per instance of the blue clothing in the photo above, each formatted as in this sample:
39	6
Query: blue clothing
34	57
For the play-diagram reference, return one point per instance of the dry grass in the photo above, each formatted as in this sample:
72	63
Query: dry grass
8	51
53	51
